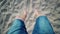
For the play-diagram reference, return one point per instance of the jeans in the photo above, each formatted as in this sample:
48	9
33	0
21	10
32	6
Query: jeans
42	26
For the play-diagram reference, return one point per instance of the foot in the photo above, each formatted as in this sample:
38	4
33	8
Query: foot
37	13
22	16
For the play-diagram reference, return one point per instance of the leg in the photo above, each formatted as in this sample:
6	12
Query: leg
43	26
18	27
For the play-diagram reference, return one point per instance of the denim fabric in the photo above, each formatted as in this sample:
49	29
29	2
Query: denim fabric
18	27
43	26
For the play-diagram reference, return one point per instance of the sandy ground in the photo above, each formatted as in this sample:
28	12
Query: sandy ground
12	8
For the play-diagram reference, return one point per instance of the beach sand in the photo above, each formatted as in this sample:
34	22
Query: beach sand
10	8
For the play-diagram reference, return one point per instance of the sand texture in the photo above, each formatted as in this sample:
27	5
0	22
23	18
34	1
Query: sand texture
10	8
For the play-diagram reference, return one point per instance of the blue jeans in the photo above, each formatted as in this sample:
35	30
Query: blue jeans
42	26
